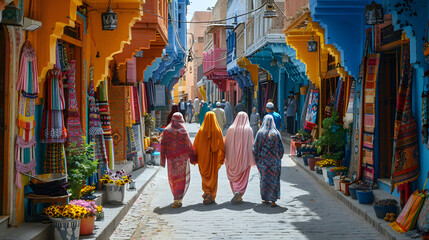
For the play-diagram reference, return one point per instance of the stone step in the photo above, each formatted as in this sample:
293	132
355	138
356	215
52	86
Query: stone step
4	219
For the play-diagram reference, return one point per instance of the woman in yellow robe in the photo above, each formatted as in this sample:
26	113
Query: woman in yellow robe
210	150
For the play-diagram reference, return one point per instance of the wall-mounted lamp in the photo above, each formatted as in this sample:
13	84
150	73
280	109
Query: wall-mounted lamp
11	15
270	12
374	14
98	54
285	58
312	45
109	19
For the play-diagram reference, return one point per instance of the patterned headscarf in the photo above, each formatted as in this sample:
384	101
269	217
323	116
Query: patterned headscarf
174	109
268	140
175	139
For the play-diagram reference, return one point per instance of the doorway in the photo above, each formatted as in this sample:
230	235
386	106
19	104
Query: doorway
387	91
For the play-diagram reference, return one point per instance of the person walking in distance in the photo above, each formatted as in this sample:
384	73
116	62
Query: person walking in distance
290	111
238	155
196	108
268	152
189	110
220	115
182	107
254	121
210	150
270	111
177	150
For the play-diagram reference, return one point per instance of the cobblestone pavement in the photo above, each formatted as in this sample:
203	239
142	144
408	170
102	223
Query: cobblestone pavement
305	211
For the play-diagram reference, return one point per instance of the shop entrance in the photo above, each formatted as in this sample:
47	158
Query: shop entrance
388	87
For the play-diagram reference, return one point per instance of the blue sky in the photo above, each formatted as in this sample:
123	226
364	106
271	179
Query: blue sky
199	5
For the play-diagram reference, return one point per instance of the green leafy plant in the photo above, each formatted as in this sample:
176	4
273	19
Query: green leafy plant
331	144
81	165
304	134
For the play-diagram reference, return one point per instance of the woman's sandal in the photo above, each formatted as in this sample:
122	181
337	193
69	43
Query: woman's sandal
273	204
176	204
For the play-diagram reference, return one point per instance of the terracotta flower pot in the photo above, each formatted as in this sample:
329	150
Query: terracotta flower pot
312	162
87	225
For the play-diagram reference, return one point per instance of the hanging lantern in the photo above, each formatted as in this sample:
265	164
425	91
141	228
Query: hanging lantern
109	19
374	14
312	45
11	15
270	12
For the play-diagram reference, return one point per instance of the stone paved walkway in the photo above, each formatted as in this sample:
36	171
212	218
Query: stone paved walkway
305	211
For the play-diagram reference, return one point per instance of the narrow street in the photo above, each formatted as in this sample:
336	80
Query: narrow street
305	211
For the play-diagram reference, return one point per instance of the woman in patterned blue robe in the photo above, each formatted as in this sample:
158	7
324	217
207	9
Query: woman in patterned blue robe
268	151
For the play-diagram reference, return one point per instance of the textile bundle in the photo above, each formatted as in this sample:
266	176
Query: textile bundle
406	156
105	123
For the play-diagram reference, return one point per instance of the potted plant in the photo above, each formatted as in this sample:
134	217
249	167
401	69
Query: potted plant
115	185
87	223
66	220
81	165
326	166
331	144
364	194
352	191
385	206
87	193
149	123
344	185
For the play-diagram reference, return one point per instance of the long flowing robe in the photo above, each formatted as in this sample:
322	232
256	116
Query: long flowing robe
220	117
174	109
238	153
229	114
204	109
268	151
210	150
254	122
176	148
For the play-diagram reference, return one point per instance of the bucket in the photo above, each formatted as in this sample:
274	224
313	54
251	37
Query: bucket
331	181
66	228
325	171
336	180
380	211
115	193
156	158
148	158
364	196
352	191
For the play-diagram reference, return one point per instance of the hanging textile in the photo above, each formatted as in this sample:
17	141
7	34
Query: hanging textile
27	77
370	86
136	105
117	104
139	162
105	123
311	119
21	147
54	158
405	162
52	129
62	58
71	113
305	108
425	118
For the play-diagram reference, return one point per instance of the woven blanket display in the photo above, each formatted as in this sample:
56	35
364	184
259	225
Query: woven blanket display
370	86
105	123
313	104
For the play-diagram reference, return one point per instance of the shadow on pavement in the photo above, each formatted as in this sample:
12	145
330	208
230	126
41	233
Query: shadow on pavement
203	208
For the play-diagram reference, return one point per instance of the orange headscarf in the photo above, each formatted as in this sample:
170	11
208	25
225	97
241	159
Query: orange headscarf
210	135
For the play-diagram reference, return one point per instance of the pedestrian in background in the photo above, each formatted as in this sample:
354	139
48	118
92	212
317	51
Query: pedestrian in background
238	155
229	114
220	115
204	109
290	111
196	108
268	151
210	150
177	150
254	121
270	111
241	107
174	110
189	109
182	107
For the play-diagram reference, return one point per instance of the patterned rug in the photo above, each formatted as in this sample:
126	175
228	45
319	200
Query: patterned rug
406	160
370	86
313	104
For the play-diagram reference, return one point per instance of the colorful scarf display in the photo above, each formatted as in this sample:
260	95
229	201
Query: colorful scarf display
71	113
311	118
21	147
54	155
105	123
405	162
27	78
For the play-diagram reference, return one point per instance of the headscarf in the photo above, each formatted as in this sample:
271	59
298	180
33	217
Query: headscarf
238	147
268	140
210	139
175	109
229	114
175	139
203	111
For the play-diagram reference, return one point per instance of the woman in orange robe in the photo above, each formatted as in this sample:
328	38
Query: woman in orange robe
210	150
